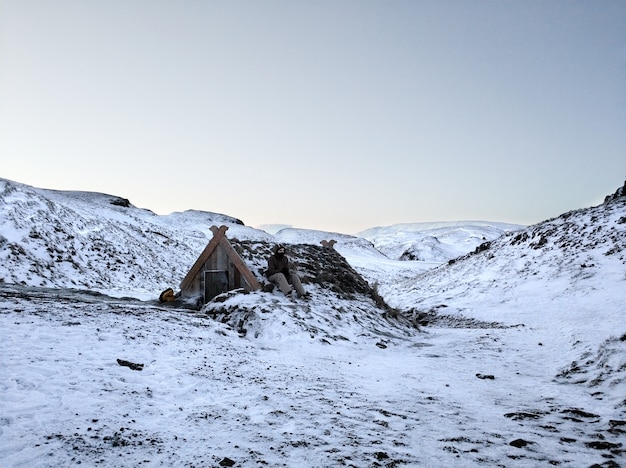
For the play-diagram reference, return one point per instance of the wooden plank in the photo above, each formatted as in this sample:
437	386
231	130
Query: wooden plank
240	264
218	235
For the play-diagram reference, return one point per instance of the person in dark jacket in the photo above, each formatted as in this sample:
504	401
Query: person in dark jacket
281	272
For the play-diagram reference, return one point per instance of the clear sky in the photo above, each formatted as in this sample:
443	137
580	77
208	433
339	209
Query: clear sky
336	115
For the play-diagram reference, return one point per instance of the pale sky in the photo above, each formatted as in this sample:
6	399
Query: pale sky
337	115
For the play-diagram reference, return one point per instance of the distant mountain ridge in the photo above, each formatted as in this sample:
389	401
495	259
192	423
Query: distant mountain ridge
434	242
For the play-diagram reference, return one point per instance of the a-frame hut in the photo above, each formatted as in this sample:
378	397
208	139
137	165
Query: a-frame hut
218	269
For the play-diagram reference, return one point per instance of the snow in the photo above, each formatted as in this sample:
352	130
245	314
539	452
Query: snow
434	242
521	360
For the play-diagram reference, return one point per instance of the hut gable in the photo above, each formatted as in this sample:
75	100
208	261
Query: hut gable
218	269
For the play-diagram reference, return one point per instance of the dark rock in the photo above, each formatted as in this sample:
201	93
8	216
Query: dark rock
381	456
579	413
607	464
485	376
132	365
482	247
620	192
602	445
519	443
521	415
123	202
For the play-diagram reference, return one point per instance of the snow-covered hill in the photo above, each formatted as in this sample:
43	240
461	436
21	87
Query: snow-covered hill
100	242
434	242
563	279
520	360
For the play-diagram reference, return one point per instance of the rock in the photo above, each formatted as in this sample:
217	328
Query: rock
485	376
519	443
381	456
132	365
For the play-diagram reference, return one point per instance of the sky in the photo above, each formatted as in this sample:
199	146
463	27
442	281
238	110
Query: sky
332	115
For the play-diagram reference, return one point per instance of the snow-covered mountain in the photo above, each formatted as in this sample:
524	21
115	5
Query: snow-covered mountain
510	351
434	242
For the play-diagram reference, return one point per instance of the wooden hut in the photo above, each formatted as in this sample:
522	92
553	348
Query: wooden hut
218	269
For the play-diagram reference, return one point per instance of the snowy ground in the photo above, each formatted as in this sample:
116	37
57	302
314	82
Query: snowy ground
207	397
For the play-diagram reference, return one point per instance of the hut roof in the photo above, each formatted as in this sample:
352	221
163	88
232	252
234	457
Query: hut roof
219	239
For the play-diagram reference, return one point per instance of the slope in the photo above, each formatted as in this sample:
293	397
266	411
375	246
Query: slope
561	281
96	241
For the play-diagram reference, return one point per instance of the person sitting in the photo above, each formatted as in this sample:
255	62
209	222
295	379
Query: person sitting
281	272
